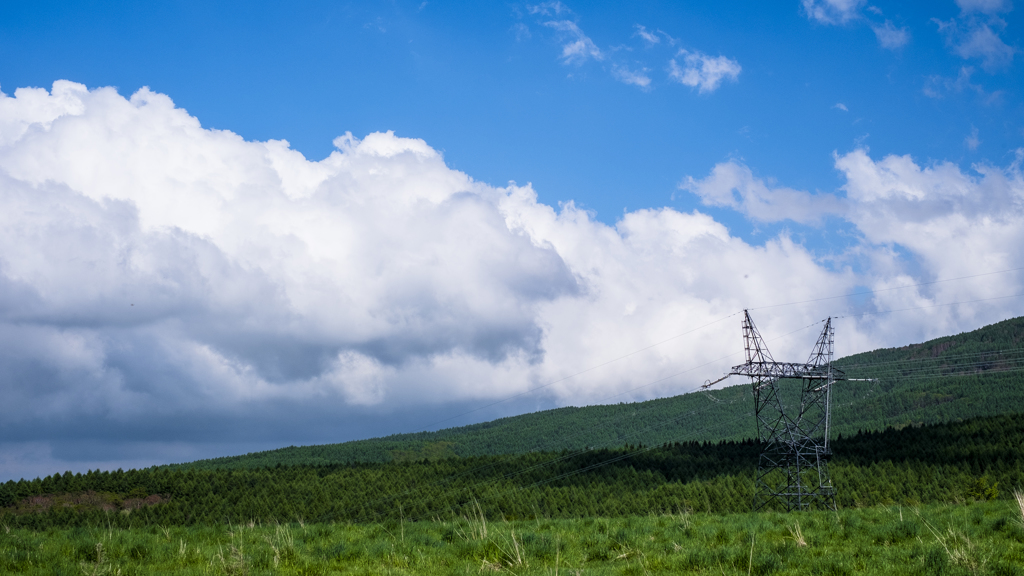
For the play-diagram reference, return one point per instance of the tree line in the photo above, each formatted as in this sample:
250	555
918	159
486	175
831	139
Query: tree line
974	459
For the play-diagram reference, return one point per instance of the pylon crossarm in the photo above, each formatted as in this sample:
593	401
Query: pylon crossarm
778	370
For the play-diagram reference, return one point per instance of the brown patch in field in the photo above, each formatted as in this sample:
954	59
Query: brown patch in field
88	500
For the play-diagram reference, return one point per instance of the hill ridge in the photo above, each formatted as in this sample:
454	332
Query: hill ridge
970	374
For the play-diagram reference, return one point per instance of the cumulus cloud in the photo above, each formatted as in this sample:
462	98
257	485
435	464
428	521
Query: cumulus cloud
158	278
832	11
955	223
734	185
840	106
698	70
169	291
944	221
254	230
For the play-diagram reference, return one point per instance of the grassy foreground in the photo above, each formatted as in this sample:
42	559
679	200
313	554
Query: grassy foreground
979	538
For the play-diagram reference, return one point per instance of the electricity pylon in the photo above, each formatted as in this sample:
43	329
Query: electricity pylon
793	467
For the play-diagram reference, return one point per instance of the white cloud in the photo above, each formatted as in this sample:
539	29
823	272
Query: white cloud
578	47
702	71
971	141
832	11
163	280
548	9
733	185
128	212
939	86
985	6
650	38
982	42
634	77
889	36
521	31
937	219
168	283
953	223
841	106
840	12
972	37
698	69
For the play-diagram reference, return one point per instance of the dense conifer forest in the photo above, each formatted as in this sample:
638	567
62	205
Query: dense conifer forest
977	459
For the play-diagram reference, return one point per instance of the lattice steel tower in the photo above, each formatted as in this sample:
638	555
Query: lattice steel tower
793	466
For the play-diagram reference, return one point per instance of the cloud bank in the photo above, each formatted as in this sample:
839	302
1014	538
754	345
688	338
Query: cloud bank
169	291
949	223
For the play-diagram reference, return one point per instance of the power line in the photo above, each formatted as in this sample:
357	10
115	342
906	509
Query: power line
866	292
573	454
660	423
936	367
933	375
702	365
493	481
550	462
599	424
862	314
532	390
709	363
589	448
659	343
917	371
477	487
1002	351
483	485
627	455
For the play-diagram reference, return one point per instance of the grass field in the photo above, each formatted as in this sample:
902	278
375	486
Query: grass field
978	538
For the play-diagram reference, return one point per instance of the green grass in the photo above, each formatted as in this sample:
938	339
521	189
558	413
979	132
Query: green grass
979	538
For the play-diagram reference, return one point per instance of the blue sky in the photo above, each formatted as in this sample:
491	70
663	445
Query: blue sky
483	82
176	282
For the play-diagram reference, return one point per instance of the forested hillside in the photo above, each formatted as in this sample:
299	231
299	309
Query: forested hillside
977	459
979	373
